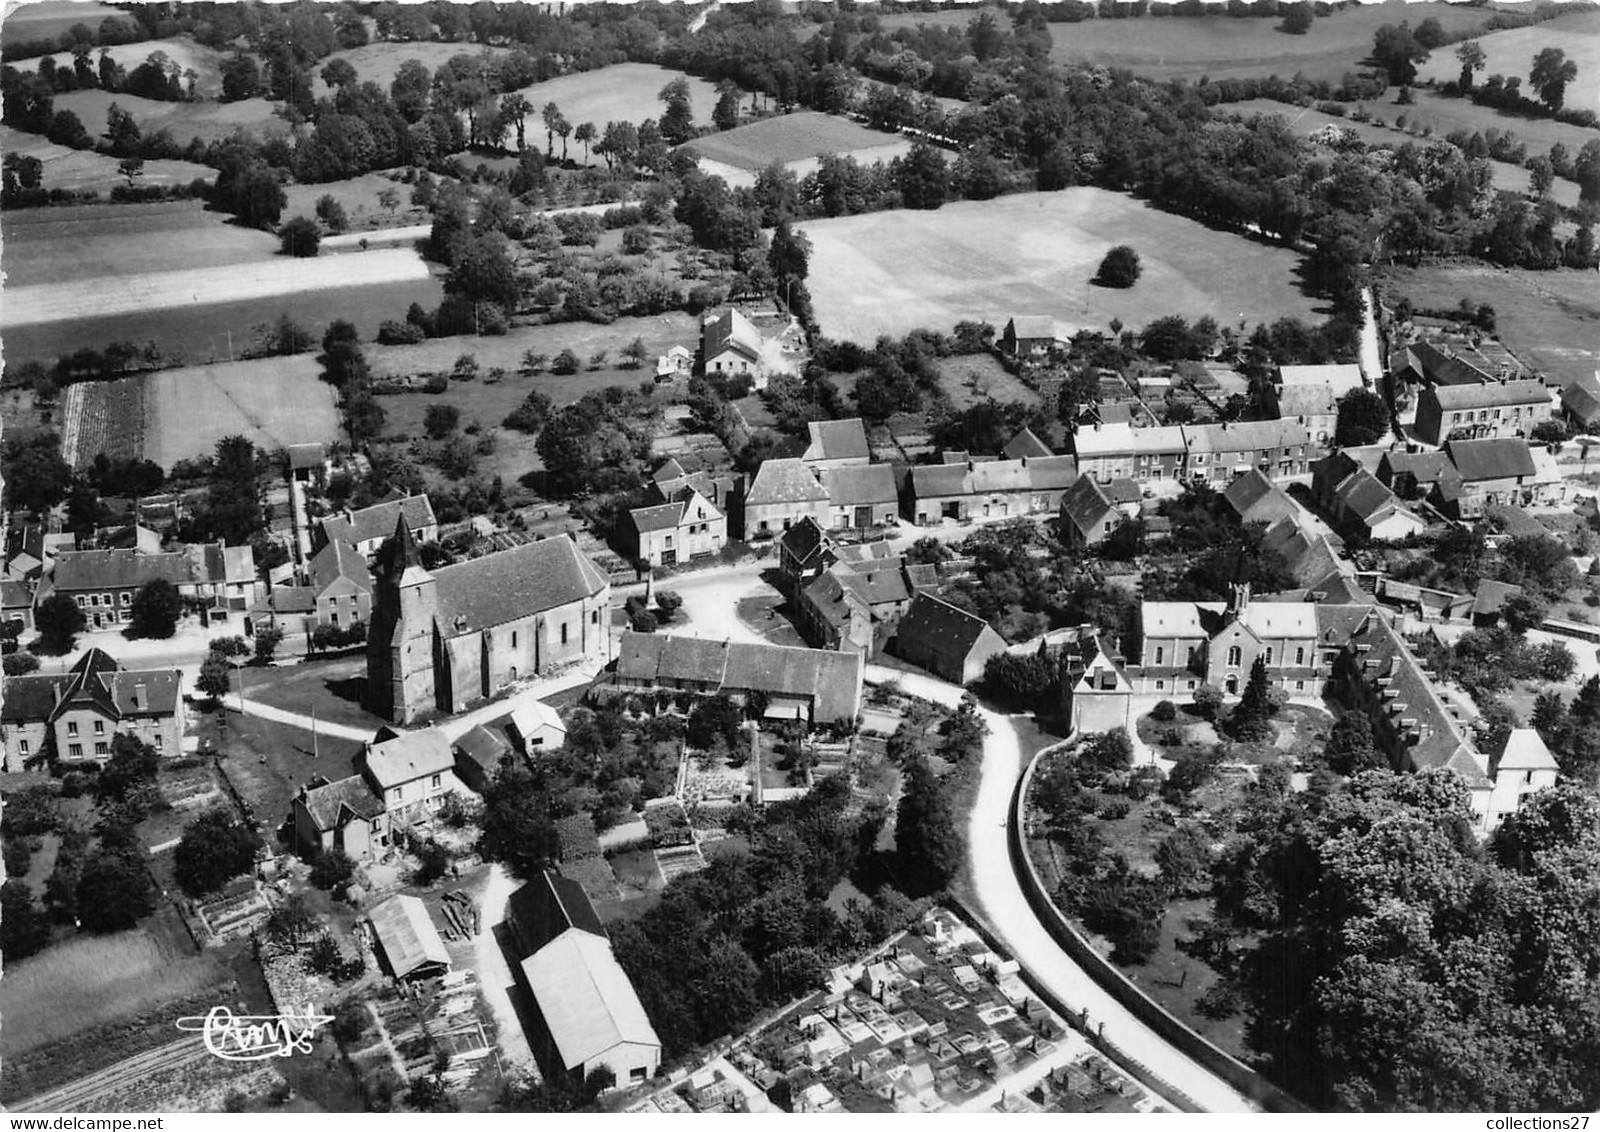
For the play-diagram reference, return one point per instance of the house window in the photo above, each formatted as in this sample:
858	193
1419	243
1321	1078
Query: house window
127	598
79	599
638	1073
101	750
1234	654
436	780
513	638
1299	656
563	632
1161	685
1191	685
1299	685
668	543
160	742
1269	654
1199	457
22	746
399	792
72	727
99	727
107	599
594	617
1161	654
75	750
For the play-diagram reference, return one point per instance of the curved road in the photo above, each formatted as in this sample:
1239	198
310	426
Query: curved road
1013	920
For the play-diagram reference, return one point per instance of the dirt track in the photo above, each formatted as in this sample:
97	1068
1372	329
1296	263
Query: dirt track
161	290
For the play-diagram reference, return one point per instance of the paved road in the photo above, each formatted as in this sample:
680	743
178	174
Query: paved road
1012	918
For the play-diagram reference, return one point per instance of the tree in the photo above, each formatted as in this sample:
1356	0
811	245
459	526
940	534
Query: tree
156	609
23	928
585	135
300	237
332	868
1551	73
530	416
635	352
332	213
929	848
215	848
668	602
922	176
20	663
1109	751
1297	20
441	420
725	115
713	717
114	892
249	188
677	122
292	923
1396	50
1363	418
1249	721
59	621
1470	53
566	362
1119	268
1350	749
268	638
241	77
1207	700
214	679
36	477
132	767
517	825
131	169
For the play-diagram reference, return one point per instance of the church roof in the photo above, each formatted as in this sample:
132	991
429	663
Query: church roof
511	584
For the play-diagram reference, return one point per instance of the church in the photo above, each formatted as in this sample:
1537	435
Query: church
440	640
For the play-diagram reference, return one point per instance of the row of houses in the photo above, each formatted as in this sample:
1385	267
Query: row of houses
1211	452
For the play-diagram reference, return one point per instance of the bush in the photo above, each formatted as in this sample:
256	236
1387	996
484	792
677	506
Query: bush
396	333
565	363
332	868
20	664
1165	711
300	237
1119	268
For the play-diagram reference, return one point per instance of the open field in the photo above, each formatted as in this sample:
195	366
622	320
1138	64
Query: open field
378	62
53	17
212	331
1446	115
738	178
1306	121
209	121
205	62
1550	319
88	980
992	382
84	171
61	245
1223	47
359	197
1511	53
1034	253
790	137
623	92
258	281
273	401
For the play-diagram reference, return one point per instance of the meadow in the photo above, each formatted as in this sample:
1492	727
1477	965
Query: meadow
1221	46
1550	319
53	17
791	138
84	171
379	62
623	92
206	62
274	401
359	198
209	121
1447	115
1035	253
1511	53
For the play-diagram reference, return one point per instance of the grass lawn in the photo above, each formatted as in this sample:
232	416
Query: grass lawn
1511	53
83	171
331	688
210	121
206	62
980	377
789	137
1507	177
1034	253
49	18
1550	319
623	92
1221	46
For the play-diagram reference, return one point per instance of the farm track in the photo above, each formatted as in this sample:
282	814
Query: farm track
81	1094
71	421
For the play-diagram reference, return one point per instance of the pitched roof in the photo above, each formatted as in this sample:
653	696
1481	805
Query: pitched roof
303	456
1426	467
829	598
1525	750
194	564
1164	619
1440	368
1581	399
1256	499
837	440
533	578
1032	326
1025	443
587	1002
339	560
533	715
1493	459
1120	439
483	747
407	756
379	520
1411	702
1307	401
1362	494
1491	597
1277	620
730	330
877	581
831	679
549	905
999	476
803	539
1245	436
15	594
1487	396
931	480
1046	473
943	629
660	517
859	485
31	698
1085	504
327	802
407	935
784	481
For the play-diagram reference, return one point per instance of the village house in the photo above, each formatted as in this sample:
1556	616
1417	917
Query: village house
1096	694
1489	471
368	528
837	444
1362	504
783	492
1480	412
1256	499
347	815
589	1016
221	579
1580	402
861	498
690	469
816	686
1182	644
73	716
684	527
1414	475
309	465
676	363
441	640
1525	766
1219	452
856	601
804	552
401	779
731	344
1434	364
479	752
1121	451
16	603
948	641
337	592
987	489
1089	513
1025	444
1028	336
1314	405
1340	378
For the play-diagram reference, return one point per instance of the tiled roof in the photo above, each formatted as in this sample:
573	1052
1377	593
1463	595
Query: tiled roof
1409	701
483	747
837	440
1440	368
1245	436
932	480
941	628
407	935
1525	750
877	582
1307	401
1046	473
1122	439
1085	504
1495	459
1582	399
325	803
661	517
1497	393
999	476
197	564
1362	495
1427	467
95	679
1491	597
1340	378
549	905
15	594
828	597
859	486
1025	443
302	456
339	560
832	679
408	756
730	330
1256	499
1180	618
784	481
803	539
379	520
533	578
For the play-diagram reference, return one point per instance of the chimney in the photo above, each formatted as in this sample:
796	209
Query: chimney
140	699
1238	598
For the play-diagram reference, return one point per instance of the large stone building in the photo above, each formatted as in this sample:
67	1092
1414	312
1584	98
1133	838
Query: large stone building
103	583
1482	412
367	528
440	640
817	686
73	716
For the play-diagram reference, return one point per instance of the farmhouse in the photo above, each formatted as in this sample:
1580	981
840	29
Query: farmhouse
837	444
1340	379
949	642
731	344
412	771
1489	471
1361	503
367	528
804	552
854	603
814	685
1121	451
1028	335
987	489
1222	451
1314	407
347	815
861	497
1026	443
1580	401
783	492
1478	412
72	716
407	939
684	527
103	582
1425	363
1416	474
440	640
